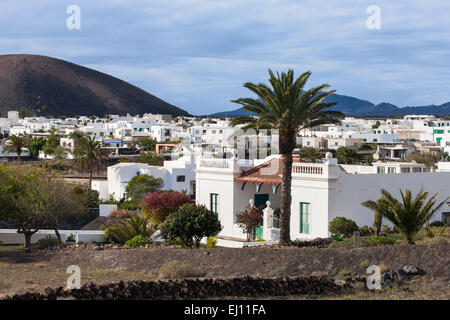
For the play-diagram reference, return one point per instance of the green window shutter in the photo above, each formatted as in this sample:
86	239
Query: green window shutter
304	217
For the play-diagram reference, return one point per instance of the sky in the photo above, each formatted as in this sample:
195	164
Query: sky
196	54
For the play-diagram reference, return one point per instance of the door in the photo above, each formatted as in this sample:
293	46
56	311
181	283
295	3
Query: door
260	202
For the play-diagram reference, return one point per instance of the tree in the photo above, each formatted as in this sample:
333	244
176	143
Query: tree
249	219
408	215
89	156
23	113
288	108
159	205
59	202
141	185
76	135
15	143
36	145
147	143
310	153
191	223
21	199
148	157
346	155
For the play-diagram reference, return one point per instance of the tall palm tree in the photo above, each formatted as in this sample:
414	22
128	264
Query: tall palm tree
288	108
408	215
89	156
15	143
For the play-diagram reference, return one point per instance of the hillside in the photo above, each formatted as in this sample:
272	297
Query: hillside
48	86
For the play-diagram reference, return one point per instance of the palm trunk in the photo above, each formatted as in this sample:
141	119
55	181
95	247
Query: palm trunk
90	178
285	201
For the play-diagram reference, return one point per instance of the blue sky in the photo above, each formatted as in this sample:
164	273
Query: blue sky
196	54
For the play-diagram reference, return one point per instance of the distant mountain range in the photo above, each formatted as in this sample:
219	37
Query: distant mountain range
48	86
351	106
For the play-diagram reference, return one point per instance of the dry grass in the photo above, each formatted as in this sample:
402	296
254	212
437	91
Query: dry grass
176	269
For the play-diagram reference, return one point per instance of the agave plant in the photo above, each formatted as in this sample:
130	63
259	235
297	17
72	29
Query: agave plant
408	215
127	229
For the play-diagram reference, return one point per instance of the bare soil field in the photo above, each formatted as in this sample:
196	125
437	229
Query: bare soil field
22	271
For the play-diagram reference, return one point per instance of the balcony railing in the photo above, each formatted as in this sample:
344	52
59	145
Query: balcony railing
215	163
309	169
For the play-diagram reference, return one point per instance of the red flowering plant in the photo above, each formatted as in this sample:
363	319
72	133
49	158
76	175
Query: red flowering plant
159	205
249	219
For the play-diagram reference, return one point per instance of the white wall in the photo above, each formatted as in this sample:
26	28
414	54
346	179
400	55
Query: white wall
10	236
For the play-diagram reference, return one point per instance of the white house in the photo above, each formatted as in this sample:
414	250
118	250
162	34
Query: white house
178	175
320	192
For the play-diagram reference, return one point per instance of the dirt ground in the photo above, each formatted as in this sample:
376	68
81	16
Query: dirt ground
23	271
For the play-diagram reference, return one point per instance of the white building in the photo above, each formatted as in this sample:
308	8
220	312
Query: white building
320	192
178	175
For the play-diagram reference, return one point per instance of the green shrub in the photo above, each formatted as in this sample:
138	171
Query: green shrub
381	240
343	225
138	241
386	228
346	242
337	237
47	242
365	230
191	223
128	228
71	238
177	269
211	242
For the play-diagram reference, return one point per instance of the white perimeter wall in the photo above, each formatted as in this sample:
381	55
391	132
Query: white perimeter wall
10	236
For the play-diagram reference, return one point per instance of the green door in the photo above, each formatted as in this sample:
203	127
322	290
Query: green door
260	202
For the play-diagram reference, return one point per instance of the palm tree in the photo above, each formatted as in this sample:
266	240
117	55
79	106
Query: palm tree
89	156
310	153
286	107
409	215
346	155
15	143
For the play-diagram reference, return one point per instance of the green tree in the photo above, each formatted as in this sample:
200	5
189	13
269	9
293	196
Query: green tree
36	145
147	143
310	153
191	223
21	199
141	185
89	156
15	143
408	215
287	107
23	113
347	155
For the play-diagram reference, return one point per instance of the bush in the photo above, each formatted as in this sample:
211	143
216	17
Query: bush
128	228
346	242
386	228
191	223
159	205
71	238
381	240
176	269
138	241
47	242
365	230
211	242
343	225
128	205
249	219
437	223
119	214
337	237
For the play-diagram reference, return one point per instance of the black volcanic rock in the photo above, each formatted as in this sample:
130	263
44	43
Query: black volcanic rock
49	86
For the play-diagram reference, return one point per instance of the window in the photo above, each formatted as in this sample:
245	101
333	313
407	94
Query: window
138	173
381	170
214	202
417	169
406	170
181	178
304	217
391	170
